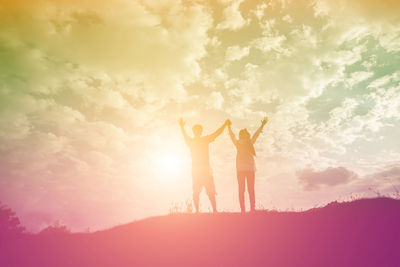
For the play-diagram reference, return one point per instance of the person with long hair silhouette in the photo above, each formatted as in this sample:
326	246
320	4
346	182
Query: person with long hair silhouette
201	171
245	165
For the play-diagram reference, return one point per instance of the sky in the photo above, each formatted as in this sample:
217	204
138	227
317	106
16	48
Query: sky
91	93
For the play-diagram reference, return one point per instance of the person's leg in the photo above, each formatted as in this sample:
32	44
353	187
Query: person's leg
213	202
211	192
250	188
196	200
241	188
196	191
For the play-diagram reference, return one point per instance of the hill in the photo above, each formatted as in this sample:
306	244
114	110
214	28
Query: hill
364	232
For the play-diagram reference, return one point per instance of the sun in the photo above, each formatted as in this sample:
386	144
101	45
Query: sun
169	162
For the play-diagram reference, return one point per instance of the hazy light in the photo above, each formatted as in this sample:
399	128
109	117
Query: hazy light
169	163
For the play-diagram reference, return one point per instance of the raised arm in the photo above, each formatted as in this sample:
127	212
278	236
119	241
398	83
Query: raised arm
231	134
184	133
259	130
219	131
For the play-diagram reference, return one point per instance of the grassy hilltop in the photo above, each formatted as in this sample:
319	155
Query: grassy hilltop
364	232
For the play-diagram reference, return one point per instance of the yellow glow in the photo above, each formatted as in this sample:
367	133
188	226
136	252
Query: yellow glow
169	162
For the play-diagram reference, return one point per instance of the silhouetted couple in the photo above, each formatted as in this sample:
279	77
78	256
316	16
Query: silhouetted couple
201	171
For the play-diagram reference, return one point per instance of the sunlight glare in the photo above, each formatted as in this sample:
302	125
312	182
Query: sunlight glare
169	163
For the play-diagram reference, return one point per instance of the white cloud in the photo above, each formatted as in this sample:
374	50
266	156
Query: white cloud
236	52
233	19
216	100
389	38
305	35
382	81
259	11
357	77
370	62
343	113
287	18
271	43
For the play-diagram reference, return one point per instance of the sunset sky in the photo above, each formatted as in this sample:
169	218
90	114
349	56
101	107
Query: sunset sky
91	93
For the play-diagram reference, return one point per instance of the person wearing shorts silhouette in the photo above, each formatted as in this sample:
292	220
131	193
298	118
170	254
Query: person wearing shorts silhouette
201	171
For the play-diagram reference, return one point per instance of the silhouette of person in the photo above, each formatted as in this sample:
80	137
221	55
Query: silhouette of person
245	165
201	171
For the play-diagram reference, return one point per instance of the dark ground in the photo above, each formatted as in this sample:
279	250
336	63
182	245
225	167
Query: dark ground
360	233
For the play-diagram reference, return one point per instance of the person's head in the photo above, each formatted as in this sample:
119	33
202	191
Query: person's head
197	130
244	135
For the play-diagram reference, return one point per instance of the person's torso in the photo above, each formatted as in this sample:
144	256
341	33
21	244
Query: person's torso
244	157
199	149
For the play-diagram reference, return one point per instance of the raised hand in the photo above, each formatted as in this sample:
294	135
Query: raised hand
264	121
181	122
228	123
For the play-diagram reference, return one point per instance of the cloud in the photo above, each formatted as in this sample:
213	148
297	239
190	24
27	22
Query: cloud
357	77
216	100
269	43
259	11
93	36
332	176
380	18
343	113
287	18
236	53
382	181
382	81
370	9
233	19
391	173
